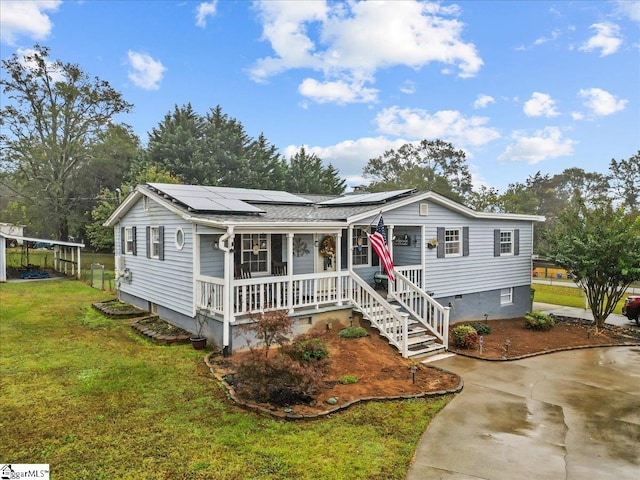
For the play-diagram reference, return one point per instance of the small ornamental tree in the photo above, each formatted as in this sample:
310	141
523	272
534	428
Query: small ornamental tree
271	328
600	250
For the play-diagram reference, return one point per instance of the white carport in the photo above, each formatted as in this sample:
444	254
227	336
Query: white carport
66	255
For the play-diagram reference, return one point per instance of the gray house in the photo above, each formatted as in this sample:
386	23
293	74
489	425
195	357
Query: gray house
211	256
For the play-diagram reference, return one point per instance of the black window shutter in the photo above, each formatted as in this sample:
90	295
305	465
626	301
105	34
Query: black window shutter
161	243
148	242
135	240
440	238
375	259
516	241
465	241
122	241
344	247
496	242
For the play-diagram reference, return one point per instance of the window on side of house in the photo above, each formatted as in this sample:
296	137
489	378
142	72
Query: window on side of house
129	241
155	242
255	252
453	242
360	254
506	242
506	296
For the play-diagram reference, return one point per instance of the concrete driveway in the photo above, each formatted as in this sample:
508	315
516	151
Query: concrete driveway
570	415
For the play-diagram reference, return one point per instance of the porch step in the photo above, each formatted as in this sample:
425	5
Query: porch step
433	349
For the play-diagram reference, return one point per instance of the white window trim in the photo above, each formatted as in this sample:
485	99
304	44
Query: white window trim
267	249
154	242
506	296
510	252
459	242
129	241
179	244
365	241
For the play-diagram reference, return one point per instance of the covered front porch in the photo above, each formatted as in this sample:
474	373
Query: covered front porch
243	273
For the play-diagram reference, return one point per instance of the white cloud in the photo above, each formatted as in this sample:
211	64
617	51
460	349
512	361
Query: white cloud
338	92
356	39
145	71
577	115
554	35
544	144
204	10
629	9
540	105
350	156
448	125
601	102
408	87
26	17
55	72
483	101
607	39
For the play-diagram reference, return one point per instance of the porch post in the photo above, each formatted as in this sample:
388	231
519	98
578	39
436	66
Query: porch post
423	259
79	276
290	272
338	259
390	247
3	259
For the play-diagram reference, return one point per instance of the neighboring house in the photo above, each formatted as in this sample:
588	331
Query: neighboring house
217	254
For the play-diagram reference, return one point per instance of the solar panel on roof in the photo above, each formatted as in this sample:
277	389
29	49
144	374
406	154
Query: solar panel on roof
365	198
225	199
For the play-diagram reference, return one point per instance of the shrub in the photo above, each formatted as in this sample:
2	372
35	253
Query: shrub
353	332
481	328
279	380
270	328
305	348
465	336
347	379
539	321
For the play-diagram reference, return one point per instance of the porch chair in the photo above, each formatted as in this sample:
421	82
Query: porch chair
278	269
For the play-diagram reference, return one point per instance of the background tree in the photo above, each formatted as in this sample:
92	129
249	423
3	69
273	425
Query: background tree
429	165
600	250
625	181
53	116
101	237
574	183
485	199
307	174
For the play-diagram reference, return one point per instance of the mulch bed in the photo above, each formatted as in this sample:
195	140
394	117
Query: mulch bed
569	333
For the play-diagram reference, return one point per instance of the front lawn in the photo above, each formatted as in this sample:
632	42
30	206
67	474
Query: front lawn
93	399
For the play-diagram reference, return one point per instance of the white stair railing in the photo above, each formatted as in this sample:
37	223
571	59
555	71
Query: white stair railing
422	307
382	315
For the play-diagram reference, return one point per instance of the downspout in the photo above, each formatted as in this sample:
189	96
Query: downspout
228	275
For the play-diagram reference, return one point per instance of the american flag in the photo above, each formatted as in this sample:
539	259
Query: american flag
378	240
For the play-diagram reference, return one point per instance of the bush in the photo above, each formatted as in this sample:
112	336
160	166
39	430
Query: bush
465	336
353	332
539	321
305	348
481	328
347	379
279	380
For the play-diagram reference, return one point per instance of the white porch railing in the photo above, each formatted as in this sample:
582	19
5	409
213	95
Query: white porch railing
391	324
422	307
210	294
412	272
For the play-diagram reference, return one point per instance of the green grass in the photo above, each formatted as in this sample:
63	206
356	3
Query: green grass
90	397
566	296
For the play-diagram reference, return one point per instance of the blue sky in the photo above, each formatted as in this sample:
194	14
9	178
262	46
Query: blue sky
520	86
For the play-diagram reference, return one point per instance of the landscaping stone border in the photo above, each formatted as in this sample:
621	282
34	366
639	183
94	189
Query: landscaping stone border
296	416
181	336
123	310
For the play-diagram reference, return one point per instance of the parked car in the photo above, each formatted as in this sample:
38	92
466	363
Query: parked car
43	246
631	308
